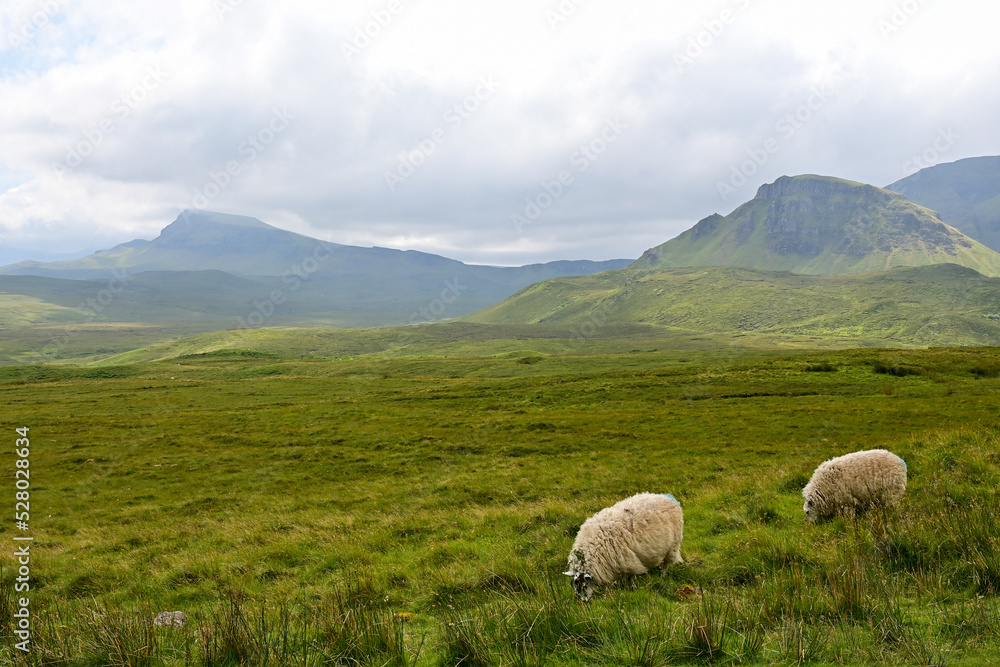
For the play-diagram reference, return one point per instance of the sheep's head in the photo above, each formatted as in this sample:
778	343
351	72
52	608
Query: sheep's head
809	510
583	585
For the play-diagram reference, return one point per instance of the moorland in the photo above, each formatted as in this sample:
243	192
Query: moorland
416	504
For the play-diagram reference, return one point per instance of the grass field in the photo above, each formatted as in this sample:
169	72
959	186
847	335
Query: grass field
398	510
940	306
927	306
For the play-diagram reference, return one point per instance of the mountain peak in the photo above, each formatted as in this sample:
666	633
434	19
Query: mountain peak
822	186
195	217
821	225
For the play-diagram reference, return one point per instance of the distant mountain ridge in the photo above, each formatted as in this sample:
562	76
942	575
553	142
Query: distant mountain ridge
11	255
965	193
195	241
270	276
821	225
245	246
809	256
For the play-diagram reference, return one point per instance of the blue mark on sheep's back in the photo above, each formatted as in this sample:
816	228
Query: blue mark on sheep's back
668	495
903	461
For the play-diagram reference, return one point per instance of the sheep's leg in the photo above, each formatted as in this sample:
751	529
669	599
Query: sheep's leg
672	558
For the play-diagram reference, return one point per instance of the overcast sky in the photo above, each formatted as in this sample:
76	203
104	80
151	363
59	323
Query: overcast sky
502	132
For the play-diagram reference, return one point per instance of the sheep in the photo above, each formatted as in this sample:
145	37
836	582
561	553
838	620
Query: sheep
630	537
854	482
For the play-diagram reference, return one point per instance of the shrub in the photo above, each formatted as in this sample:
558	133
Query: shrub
896	370
821	367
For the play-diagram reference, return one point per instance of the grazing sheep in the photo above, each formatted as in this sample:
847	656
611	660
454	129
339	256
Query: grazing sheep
854	482
630	537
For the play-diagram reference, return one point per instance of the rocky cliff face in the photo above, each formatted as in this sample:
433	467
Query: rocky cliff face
819	186
821	225
806	216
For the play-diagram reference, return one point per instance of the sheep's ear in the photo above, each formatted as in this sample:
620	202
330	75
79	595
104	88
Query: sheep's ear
569	574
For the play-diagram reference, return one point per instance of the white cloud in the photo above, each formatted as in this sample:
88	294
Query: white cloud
702	88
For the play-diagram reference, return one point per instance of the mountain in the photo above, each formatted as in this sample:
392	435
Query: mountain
11	255
822	226
940	304
195	241
966	194
227	270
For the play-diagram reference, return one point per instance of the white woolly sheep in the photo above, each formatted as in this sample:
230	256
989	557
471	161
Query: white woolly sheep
630	537
854	482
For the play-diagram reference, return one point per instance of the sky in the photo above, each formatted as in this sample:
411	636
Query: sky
490	132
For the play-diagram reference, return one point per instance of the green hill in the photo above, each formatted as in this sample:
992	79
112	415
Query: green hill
966	194
822	226
943	304
221	271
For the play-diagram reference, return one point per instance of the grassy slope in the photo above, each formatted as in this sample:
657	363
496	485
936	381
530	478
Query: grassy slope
56	320
459	339
866	221
453	487
681	308
35	311
965	193
935	305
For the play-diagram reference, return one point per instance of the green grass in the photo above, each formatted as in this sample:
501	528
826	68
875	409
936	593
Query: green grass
943	304
613	311
457	340
295	508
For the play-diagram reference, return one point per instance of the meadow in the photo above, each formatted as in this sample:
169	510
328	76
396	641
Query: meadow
390	509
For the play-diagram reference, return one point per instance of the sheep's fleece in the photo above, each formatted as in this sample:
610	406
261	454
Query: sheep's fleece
630	537
854	482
